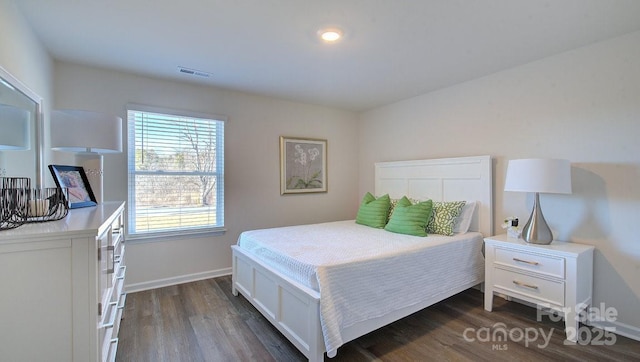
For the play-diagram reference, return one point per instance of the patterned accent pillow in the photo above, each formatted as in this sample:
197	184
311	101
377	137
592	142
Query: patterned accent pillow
444	216
373	212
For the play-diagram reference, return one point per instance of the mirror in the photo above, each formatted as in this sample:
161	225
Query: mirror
20	107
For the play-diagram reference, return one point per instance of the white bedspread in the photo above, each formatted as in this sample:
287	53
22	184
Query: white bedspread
362	272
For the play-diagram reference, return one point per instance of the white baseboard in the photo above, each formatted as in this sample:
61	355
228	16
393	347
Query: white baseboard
159	283
618	328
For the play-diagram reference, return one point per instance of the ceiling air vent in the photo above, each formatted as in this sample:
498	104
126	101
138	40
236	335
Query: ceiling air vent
195	72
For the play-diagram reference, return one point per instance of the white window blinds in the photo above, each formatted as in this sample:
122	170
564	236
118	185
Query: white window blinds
176	171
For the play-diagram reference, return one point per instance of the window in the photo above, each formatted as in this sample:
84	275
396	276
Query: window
176	171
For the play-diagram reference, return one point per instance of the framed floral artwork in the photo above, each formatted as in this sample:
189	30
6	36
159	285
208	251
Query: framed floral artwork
303	165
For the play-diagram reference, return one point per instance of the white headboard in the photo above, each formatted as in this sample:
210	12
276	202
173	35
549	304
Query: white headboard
443	179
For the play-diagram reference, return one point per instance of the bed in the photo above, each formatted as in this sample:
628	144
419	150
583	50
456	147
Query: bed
320	298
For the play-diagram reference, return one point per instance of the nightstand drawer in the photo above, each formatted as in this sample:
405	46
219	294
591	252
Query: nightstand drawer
542	290
543	264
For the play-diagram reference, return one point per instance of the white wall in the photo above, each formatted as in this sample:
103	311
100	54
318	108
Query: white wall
252	179
21	53
24	57
584	106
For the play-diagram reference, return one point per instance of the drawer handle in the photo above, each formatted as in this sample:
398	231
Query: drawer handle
526	261
123	270
111	249
521	284
113	345
112	319
122	301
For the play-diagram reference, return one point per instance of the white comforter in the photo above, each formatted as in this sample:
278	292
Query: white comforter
364	273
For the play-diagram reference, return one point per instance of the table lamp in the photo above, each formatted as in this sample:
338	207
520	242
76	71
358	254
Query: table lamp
538	176
89	135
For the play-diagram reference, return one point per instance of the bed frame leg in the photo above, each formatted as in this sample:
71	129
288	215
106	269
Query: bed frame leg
234	291
234	272
316	349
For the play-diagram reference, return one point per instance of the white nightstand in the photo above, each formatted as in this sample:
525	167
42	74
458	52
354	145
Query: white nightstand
558	276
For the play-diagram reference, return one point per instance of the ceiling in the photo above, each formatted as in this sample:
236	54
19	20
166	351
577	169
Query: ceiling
391	49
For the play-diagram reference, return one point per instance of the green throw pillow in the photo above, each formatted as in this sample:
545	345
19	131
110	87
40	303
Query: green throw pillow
410	219
373	212
444	216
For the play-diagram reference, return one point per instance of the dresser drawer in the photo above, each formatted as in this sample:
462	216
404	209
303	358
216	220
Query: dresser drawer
542	290
543	264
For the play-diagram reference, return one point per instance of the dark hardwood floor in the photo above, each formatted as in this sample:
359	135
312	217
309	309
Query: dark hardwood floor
203	321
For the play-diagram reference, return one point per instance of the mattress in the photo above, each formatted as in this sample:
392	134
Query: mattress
363	272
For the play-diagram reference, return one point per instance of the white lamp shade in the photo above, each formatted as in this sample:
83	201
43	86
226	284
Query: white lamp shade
85	131
539	175
14	128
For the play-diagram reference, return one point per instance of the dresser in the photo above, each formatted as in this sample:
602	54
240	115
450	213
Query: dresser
62	287
558	276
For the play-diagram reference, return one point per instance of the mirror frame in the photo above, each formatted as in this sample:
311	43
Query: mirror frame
38	146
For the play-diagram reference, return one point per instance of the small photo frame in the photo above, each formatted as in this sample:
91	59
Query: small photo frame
75	180
303	165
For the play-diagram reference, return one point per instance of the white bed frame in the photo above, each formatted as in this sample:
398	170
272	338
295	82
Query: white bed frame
294	309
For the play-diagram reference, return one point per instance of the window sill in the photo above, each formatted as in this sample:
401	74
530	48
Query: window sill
174	235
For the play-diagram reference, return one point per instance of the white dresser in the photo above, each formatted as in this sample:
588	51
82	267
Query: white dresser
62	287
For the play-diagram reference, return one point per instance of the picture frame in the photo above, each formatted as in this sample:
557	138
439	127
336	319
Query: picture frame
303	165
75	180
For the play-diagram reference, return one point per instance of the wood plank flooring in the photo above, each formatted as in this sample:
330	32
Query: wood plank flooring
203	321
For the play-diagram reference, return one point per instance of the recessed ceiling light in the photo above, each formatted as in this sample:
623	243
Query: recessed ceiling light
330	35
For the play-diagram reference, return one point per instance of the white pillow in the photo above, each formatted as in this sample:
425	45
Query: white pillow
463	221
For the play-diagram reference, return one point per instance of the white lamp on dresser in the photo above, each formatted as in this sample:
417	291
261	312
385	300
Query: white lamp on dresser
89	135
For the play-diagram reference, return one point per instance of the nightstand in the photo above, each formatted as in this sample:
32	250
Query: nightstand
558	276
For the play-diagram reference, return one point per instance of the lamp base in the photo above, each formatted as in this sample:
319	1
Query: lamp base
536	230
92	164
